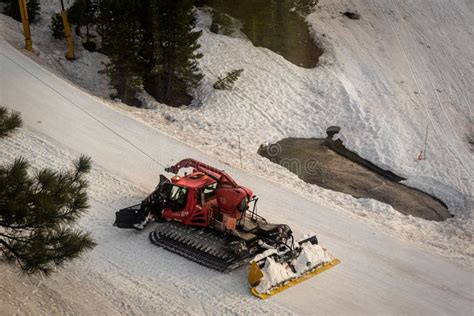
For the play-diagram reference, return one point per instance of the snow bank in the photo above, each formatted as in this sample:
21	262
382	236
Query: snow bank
310	257
263	255
273	274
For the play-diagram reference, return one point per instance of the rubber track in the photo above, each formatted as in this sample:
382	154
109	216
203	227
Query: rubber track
175	245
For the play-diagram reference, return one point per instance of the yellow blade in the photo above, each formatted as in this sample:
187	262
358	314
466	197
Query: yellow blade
255	274
294	281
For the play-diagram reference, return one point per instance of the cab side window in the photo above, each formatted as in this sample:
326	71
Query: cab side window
210	191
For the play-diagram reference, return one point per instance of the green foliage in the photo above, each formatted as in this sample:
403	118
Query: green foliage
277	25
152	44
9	121
83	13
227	82
120	26
57	27
37	214
12	9
34	8
174	66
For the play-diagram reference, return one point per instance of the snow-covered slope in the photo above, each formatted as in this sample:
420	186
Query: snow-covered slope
379	273
375	81
408	65
404	66
51	52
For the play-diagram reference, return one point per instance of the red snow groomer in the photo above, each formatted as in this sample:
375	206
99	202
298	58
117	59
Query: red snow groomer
207	217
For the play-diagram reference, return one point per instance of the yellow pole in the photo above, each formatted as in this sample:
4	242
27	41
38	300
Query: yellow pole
26	25
68	35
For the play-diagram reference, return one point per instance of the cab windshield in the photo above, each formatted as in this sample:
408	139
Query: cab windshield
177	198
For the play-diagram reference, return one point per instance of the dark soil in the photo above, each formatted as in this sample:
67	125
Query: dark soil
330	165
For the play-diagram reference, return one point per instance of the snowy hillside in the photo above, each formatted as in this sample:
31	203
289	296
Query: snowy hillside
378	271
367	84
403	66
51	52
408	65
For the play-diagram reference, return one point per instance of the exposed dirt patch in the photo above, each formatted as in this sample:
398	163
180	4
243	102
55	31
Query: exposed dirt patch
330	165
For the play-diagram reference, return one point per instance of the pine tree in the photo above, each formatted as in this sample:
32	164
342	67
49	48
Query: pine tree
174	69
122	35
150	43
33	7
12	9
37	212
57	28
227	82
83	13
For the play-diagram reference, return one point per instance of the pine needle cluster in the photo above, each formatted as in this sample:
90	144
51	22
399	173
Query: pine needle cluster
228	81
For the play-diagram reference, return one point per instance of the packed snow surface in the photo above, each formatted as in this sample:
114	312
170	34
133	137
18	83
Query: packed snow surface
383	79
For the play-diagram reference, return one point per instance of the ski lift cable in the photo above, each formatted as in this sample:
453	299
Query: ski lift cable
86	112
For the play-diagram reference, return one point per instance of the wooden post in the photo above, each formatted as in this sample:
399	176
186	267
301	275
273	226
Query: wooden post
67	33
26	25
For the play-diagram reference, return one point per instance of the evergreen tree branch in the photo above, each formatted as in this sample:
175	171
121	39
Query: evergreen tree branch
9	121
19	239
35	213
